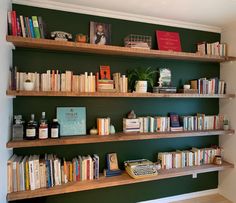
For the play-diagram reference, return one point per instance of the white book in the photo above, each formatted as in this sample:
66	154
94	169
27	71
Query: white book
36	171
22	174
63	82
22	25
10	173
31	173
56	172
48	86
86	82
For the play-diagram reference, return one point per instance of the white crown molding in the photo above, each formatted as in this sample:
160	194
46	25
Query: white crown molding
114	14
184	196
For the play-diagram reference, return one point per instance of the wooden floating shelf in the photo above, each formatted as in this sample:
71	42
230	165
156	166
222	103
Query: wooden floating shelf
124	179
110	50
88	139
114	94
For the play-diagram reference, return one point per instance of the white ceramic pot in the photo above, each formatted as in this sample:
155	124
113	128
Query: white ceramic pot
28	86
141	86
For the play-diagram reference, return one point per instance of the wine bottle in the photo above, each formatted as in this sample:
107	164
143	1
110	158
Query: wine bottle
31	129
43	127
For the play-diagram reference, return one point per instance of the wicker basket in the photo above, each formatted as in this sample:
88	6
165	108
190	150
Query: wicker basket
138	41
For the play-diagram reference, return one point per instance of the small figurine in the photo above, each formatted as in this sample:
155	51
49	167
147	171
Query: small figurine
93	131
131	115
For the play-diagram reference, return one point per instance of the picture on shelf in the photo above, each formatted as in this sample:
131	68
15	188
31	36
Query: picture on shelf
105	72
168	41
100	33
72	120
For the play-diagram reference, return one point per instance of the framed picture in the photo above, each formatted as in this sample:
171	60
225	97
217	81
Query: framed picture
72	120
100	33
168	41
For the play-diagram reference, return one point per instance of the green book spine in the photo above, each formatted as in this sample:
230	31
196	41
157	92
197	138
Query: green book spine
36	26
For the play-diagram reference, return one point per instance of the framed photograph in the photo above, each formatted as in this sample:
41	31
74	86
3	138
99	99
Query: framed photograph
100	33
72	120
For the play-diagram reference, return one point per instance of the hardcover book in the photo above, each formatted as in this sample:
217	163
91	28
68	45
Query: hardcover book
72	120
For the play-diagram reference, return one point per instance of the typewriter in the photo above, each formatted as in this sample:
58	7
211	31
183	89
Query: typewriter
141	168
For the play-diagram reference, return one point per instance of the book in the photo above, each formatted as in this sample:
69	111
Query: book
72	120
31	28
105	72
174	120
22	24
14	23
36	26
41	27
9	20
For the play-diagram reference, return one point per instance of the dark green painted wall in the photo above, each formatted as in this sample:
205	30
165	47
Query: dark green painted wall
116	108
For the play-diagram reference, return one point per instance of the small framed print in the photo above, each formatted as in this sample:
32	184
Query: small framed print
112	162
100	33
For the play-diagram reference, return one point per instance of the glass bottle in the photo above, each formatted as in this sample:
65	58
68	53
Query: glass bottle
43	127
31	129
55	129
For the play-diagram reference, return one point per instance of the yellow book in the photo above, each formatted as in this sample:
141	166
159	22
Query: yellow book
27	184
70	172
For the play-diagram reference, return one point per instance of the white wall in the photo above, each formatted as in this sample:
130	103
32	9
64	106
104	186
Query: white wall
5	102
227	179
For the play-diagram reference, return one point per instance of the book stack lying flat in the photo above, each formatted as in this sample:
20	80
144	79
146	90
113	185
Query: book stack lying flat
164	89
33	172
192	157
131	125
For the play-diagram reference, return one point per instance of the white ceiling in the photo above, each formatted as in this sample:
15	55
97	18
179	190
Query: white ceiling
208	12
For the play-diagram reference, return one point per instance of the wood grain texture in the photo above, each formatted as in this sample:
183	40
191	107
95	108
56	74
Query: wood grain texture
87	139
116	94
123	179
110	50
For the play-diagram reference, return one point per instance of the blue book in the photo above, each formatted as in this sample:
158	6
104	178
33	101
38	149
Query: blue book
72	120
48	173
31	28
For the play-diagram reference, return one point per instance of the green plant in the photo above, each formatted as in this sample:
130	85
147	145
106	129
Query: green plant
140	74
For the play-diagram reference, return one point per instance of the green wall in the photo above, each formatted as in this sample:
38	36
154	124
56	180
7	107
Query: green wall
116	108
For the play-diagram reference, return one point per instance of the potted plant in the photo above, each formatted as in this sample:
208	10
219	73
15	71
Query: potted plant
139	79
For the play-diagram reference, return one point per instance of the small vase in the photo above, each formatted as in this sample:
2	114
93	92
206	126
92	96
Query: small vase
141	86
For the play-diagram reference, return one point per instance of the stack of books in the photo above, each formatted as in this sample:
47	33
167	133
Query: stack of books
192	157
33	172
103	126
169	89
203	122
131	125
209	86
32	27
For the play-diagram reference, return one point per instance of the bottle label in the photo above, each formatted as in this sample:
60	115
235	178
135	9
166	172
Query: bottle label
43	133
54	132
30	132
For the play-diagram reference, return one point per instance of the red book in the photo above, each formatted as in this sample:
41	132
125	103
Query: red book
78	175
18	27
97	78
88	169
14	24
105	72
168	41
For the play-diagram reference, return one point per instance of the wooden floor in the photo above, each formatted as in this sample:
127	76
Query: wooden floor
206	199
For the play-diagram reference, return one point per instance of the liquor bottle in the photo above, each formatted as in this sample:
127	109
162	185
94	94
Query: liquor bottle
31	129
55	129
43	127
18	128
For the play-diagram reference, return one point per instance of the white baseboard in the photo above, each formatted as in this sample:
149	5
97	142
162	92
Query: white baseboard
184	196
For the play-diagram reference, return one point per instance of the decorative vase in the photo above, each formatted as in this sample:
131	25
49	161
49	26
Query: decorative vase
112	129
141	86
28	86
